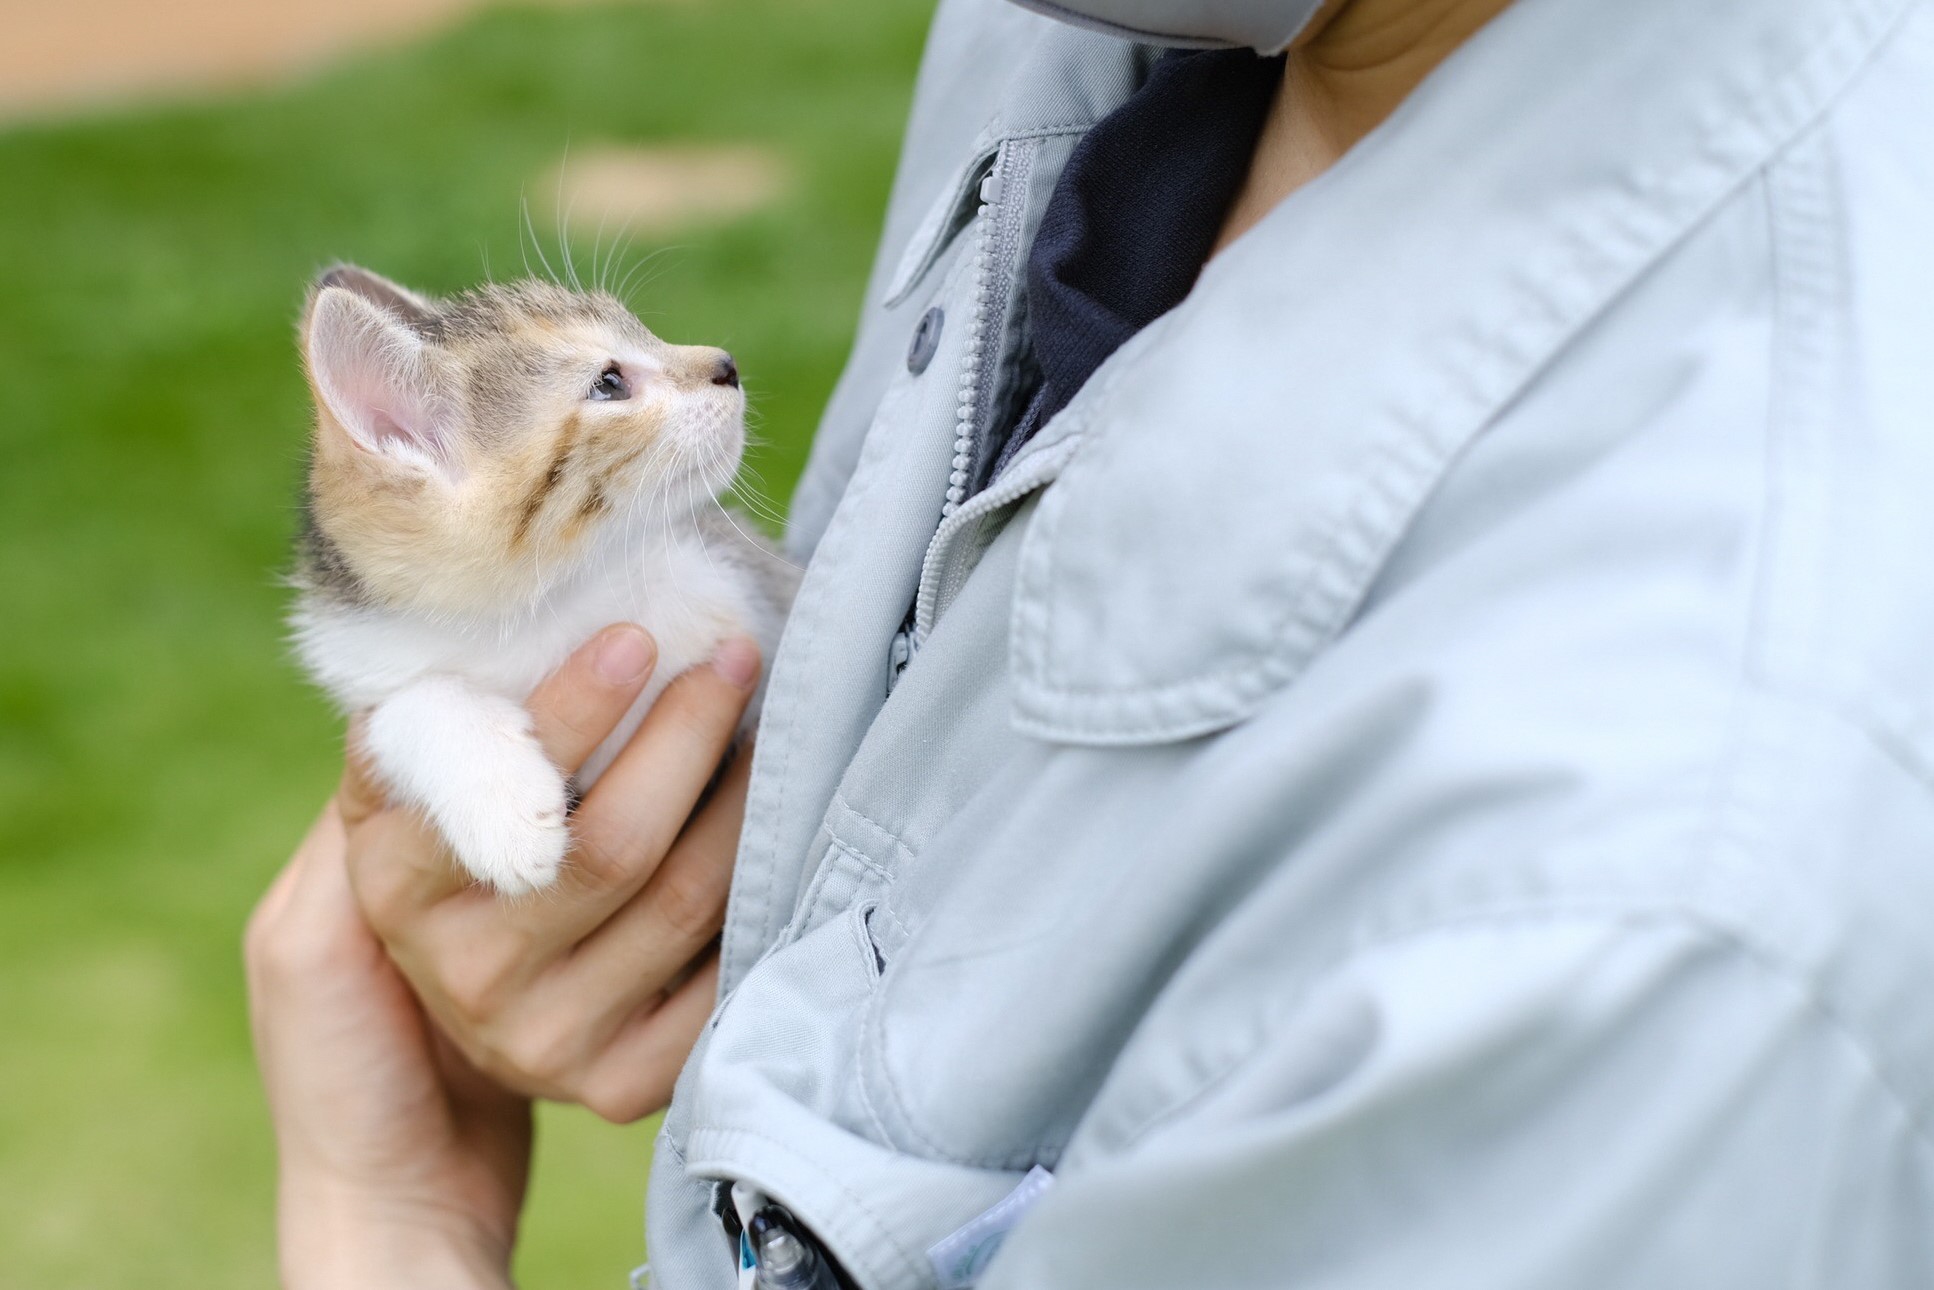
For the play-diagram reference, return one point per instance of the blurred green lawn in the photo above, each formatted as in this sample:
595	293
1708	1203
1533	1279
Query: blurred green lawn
158	753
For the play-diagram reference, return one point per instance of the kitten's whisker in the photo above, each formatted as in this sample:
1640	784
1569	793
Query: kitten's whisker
778	555
523	218
750	474
626	287
761	512
537	245
755	501
597	248
698	530
536	564
614	254
561	219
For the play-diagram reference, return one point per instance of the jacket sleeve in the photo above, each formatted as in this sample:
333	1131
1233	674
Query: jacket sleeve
1551	1101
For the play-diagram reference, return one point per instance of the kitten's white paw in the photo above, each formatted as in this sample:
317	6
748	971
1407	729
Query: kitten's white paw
470	761
513	836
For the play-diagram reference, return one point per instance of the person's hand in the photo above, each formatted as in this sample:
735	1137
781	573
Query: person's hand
399	1165
594	990
400	1162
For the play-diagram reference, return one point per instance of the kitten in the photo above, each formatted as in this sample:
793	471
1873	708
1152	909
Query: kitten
493	478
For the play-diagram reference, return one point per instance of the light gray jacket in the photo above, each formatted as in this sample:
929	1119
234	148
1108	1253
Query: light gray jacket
1420	776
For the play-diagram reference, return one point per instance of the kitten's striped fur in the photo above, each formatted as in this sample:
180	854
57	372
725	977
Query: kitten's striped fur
481	501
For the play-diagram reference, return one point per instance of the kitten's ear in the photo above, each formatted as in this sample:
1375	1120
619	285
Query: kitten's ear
373	377
379	291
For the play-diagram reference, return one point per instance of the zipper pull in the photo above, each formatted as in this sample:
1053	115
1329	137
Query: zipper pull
990	187
898	655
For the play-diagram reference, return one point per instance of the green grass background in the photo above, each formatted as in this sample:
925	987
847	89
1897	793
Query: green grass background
158	753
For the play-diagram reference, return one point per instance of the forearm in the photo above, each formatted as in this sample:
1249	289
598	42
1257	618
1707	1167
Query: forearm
329	1240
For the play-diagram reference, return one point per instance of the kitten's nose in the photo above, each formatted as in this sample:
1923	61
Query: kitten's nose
726	372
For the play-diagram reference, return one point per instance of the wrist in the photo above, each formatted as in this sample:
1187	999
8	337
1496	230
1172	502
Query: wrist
335	1238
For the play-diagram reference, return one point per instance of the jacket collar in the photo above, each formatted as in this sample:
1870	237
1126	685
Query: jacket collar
1264	25
1247	463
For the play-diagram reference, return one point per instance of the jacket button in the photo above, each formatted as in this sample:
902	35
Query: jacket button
926	339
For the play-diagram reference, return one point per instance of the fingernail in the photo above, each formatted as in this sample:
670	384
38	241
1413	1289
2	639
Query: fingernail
623	656
738	662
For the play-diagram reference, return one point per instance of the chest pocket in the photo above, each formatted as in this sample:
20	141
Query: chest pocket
985	1032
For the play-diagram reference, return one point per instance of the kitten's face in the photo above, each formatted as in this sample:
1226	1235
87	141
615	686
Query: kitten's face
471	452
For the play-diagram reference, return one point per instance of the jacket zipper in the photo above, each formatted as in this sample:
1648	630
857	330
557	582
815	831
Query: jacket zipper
943	573
997	233
998	246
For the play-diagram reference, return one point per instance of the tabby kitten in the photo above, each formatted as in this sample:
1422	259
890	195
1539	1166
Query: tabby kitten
493	478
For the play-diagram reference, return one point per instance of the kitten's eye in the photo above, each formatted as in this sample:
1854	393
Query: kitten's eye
609	385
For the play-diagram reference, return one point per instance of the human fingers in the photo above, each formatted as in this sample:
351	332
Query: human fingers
295	929
626	823
541	1031
367	1125
629	820
545	1034
323	999
403	868
480	965
395	862
576	708
633	1076
273	906
622	1070
360	793
679	910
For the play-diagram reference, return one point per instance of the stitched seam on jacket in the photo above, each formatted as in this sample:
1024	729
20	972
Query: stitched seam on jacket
902	852
1807	225
836	851
873	1031
883	1233
1652	218
832	545
834	548
903	856
1019	1156
939	241
874	1041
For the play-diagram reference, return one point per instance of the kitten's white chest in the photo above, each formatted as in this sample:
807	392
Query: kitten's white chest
447	728
679	593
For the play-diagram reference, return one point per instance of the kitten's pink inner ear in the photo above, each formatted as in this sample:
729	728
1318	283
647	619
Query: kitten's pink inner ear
376	380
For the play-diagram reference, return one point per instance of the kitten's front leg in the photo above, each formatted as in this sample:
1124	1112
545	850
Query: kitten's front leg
469	760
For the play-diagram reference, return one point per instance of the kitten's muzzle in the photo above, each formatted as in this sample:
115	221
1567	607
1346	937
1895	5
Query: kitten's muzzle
725	372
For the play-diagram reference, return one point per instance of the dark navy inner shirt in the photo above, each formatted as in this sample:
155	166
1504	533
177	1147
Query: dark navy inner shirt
1133	217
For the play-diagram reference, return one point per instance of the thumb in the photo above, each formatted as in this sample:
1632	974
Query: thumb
361	794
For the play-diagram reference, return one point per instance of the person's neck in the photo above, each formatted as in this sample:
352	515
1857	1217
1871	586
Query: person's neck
1352	66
